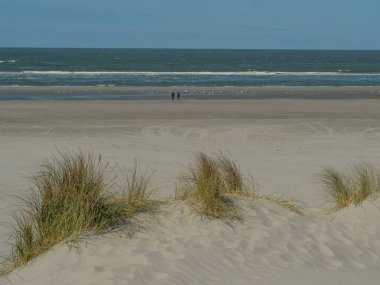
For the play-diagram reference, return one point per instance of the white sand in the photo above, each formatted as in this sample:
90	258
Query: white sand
283	144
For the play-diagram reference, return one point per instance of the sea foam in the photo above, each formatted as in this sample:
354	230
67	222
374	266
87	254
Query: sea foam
8	61
187	73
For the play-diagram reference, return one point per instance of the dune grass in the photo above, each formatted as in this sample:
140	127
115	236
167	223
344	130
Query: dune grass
135	195
235	184
213	183
292	205
231	176
203	186
345	190
72	196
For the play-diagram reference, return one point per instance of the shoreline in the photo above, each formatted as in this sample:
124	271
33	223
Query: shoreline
153	92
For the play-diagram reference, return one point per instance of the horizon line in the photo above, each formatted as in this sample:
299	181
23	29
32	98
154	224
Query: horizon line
182	48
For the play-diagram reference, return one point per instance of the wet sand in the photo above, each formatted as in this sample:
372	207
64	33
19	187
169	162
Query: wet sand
146	92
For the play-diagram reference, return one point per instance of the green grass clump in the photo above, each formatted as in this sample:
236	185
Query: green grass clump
231	176
71	196
362	183
213	183
135	196
203	186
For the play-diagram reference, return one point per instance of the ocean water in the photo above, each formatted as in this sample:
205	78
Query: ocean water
170	67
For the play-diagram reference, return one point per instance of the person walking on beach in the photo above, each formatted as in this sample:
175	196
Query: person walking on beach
173	95
178	95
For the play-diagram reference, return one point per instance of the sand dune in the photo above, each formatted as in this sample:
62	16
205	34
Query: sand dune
282	143
272	246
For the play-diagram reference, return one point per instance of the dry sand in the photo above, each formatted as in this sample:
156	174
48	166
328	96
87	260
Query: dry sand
283	144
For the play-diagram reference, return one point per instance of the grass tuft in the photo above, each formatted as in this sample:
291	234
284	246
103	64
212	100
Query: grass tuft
337	186
136	197
204	188
363	182
230	175
367	182
71	196
211	184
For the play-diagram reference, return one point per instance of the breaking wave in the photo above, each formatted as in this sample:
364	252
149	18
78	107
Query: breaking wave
188	73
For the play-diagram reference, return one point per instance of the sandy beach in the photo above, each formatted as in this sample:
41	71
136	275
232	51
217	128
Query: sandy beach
282	143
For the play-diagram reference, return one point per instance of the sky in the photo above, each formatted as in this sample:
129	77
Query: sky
241	24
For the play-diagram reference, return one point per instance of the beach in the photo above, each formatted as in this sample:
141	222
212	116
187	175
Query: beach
188	92
283	143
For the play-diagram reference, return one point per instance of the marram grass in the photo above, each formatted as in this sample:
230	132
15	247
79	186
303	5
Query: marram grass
203	186
135	194
212	184
236	185
231	176
292	205
71	196
345	190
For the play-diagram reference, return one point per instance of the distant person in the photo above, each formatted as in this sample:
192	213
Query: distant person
173	95
178	96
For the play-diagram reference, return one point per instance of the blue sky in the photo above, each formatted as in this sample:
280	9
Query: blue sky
302	24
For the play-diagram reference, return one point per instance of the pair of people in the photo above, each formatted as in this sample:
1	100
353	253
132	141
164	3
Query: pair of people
178	95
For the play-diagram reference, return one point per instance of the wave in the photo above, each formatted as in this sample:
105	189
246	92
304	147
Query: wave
189	73
8	61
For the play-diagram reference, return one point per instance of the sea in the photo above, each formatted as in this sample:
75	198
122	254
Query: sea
187	67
